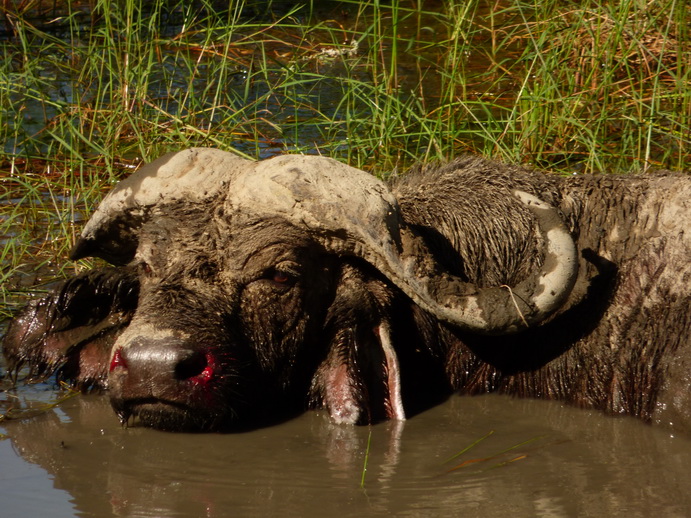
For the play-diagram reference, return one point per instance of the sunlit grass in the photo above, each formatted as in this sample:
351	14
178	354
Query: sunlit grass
608	86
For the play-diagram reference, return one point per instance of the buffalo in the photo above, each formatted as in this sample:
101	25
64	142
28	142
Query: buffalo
241	292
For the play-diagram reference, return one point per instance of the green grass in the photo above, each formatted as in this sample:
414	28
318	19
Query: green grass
86	95
499	459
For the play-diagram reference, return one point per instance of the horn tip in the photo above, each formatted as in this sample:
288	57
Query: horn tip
81	249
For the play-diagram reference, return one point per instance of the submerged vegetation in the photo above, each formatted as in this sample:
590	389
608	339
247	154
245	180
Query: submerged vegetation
90	89
30	404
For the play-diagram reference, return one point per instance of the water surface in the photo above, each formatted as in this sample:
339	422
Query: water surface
556	461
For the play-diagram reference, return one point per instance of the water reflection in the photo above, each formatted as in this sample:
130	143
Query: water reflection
557	462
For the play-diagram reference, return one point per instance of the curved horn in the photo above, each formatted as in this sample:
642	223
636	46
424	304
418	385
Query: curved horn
354	213
194	174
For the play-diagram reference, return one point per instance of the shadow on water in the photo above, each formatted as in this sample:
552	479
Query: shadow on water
542	459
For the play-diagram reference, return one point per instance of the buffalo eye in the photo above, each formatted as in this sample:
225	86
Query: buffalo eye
281	277
284	274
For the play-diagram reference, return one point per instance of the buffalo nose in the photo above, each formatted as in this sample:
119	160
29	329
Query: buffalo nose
159	368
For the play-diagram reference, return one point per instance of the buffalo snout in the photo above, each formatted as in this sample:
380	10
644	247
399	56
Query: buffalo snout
161	380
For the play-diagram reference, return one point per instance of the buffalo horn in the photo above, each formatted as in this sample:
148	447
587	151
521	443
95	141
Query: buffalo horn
353	213
194	175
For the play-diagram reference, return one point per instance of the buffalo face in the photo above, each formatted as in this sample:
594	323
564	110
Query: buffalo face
226	326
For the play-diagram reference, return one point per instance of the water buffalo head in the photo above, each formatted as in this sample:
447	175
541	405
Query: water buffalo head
263	285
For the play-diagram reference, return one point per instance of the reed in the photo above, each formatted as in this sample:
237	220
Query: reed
604	86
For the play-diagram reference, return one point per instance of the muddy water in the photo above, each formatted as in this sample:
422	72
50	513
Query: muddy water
77	460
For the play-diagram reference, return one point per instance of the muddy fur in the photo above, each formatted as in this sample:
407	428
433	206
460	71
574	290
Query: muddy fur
259	319
72	330
621	343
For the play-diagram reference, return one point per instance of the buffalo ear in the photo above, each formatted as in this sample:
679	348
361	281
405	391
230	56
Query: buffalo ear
359	381
72	329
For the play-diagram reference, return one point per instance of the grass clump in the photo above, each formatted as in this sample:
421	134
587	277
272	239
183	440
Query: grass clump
607	85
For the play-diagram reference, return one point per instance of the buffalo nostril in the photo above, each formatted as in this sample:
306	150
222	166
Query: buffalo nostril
197	367
118	360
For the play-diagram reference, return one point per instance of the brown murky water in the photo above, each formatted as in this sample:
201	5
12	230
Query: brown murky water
77	460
